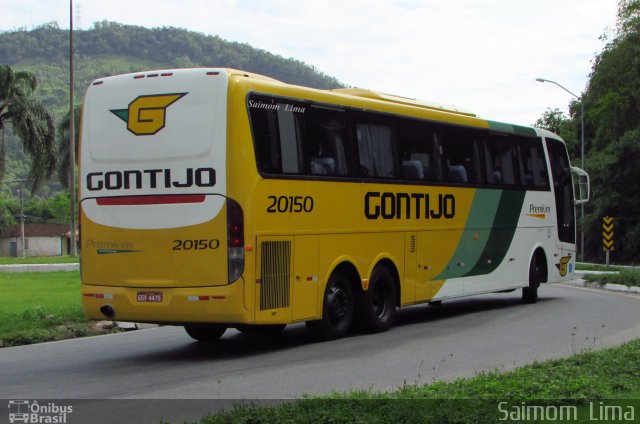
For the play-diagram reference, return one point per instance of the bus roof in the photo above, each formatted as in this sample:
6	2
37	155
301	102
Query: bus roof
361	92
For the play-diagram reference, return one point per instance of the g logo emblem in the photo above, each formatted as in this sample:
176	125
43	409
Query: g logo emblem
562	266
147	114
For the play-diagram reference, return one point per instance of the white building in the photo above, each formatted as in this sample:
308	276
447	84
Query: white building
40	240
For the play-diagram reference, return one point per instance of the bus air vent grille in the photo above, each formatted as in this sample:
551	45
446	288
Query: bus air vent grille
276	265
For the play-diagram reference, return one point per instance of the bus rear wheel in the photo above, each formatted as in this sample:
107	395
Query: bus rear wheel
337	309
376	308
209	333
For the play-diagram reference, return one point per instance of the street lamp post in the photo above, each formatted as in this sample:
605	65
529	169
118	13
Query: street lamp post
72	149
581	155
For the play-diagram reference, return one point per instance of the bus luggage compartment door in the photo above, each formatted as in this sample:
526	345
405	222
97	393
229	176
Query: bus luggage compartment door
274	279
287	283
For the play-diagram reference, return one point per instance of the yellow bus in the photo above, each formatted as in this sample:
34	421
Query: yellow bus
216	198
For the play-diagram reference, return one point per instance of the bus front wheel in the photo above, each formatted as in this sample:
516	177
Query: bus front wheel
537	275
337	309
208	333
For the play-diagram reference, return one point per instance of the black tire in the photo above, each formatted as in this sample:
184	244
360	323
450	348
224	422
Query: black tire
263	330
536	276
376	307
337	309
209	333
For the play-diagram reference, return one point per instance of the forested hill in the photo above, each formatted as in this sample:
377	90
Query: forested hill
110	48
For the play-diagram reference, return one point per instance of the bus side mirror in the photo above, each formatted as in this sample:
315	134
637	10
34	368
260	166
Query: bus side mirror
584	187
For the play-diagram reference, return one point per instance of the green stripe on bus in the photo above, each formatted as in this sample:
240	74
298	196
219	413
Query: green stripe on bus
503	229
511	129
476	235
528	131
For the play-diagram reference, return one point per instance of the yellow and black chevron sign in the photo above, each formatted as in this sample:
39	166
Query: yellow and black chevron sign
607	233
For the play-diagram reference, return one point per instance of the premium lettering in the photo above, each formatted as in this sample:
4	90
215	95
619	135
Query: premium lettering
539	209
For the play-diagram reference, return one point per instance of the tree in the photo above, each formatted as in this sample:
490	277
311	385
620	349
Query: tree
8	210
553	120
612	106
615	177
63	143
31	123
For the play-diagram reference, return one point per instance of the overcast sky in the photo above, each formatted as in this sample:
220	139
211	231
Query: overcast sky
482	55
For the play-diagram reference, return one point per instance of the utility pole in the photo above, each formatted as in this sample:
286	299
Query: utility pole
21	251
72	142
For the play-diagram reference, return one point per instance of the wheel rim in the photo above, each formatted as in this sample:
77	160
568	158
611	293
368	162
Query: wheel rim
537	273
338	302
380	300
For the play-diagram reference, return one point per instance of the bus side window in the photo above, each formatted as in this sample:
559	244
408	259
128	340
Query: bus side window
499	161
533	167
526	165
539	165
278	135
419	150
376	150
435	168
461	157
290	131
330	144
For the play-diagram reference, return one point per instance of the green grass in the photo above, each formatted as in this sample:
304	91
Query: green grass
38	260
611	376
37	307
597	267
624	277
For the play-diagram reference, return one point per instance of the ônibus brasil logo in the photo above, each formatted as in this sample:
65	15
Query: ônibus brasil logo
26	411
147	114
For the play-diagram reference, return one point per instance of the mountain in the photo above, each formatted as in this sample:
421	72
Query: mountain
110	48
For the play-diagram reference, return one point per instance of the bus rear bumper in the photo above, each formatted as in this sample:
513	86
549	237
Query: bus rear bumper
220	304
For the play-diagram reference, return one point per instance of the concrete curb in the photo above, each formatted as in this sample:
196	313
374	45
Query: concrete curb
39	267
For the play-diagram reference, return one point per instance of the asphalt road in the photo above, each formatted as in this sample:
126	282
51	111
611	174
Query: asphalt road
457	339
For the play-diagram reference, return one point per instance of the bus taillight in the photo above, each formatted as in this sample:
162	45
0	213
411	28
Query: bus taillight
235	240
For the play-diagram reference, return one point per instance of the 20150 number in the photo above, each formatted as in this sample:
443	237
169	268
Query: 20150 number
196	244
291	204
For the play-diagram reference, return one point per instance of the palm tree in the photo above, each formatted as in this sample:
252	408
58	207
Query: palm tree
30	121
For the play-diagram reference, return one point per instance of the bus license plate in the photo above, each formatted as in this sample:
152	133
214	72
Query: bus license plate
149	297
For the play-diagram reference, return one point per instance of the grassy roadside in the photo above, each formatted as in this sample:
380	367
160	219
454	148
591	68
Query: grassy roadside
610	376
595	267
625	277
37	307
39	260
